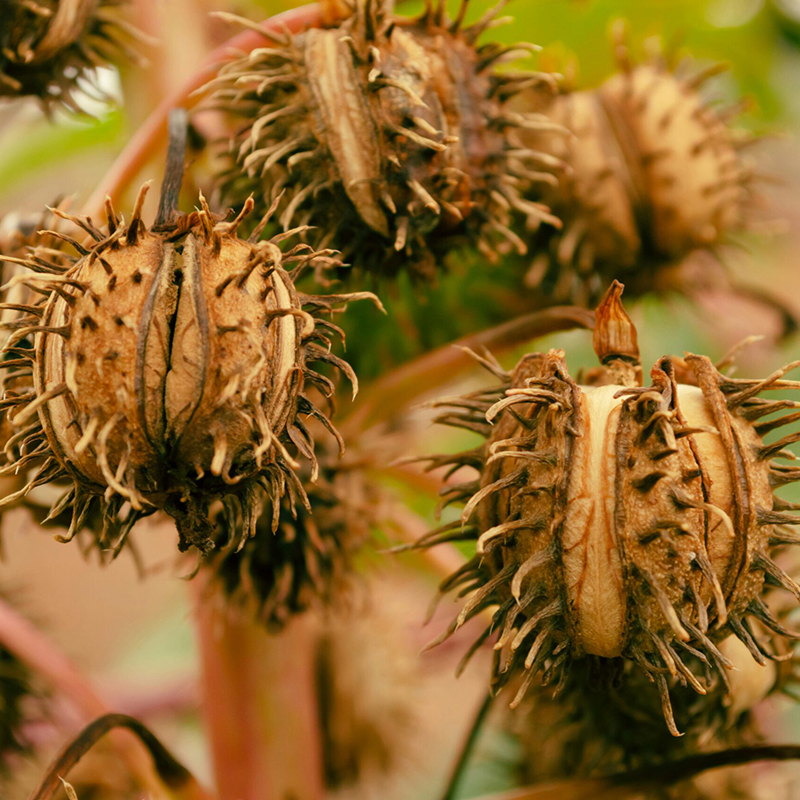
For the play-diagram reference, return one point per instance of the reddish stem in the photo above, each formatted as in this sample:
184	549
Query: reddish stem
21	638
392	392
152	134
260	703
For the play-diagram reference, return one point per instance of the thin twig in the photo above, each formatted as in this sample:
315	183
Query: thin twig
152	133
173	171
466	750
174	775
635	782
394	390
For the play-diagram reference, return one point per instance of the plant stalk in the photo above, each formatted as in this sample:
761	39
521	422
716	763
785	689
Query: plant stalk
460	767
392	393
152	134
260	702
173	774
20	637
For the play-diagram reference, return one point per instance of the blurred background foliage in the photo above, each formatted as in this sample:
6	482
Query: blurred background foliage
140	633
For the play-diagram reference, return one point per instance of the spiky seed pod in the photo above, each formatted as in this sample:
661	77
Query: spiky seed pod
370	687
20	242
390	135
48	46
608	720
655	173
619	521
303	551
171	367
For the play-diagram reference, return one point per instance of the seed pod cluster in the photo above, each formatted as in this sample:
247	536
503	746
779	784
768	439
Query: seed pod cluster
654	172
302	553
47	47
170	367
614	520
392	136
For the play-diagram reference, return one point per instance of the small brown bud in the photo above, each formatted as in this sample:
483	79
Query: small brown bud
615	336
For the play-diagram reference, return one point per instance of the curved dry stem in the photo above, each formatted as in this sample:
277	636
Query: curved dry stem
632	784
393	392
20	637
152	134
173	774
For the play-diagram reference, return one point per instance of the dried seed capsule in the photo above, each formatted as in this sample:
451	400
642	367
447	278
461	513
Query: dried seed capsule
655	173
608	719
48	46
614	520
390	135
170	368
305	544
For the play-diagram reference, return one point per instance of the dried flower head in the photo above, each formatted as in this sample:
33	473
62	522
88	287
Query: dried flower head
390	135
170	367
305	542
607	719
654	172
614	520
48	46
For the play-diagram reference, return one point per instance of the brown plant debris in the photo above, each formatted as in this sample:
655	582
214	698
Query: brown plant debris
391	135
614	520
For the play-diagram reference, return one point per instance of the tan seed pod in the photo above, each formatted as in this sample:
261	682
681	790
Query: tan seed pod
170	367
47	47
390	135
614	520
655	172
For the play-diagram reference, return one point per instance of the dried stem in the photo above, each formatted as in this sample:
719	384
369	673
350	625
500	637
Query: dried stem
45	659
173	774
150	136
652	779
260	703
173	172
464	755
392	392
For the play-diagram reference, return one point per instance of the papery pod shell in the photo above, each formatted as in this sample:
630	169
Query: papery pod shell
390	135
618	521
170	368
